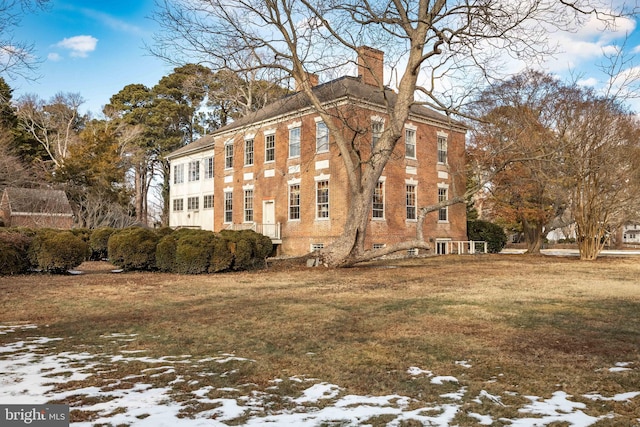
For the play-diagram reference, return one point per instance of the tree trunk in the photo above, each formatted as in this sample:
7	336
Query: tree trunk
532	236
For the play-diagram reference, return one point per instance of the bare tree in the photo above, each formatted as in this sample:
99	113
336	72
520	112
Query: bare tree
431	43
600	148
53	124
16	56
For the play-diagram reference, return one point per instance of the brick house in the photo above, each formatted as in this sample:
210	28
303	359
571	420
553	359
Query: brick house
35	208
277	172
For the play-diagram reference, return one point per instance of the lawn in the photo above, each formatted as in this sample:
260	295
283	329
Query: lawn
454	340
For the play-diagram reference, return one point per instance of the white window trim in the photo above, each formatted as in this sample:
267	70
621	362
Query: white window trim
443	187
414	128
266	133
382	179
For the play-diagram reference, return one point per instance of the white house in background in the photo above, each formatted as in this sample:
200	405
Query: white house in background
191	185
631	233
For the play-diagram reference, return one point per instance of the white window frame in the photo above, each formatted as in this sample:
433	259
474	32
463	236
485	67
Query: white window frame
208	167
322	136
377	129
207	201
270	146
248	199
442	148
193	203
194	171
295	136
443	195
410	137
178	173
292	205
249	153
178	205
228	207
323	207
381	211
414	206
228	155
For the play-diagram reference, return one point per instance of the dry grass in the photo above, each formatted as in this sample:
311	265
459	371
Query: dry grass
531	325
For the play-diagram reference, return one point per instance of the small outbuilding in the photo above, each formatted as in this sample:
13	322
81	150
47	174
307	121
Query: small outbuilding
35	208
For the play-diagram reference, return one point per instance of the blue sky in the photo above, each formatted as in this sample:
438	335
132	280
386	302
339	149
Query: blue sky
93	47
96	47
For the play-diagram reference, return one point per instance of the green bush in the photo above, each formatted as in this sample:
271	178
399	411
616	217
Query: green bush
222	256
489	232
98	242
57	251
14	252
166	253
194	251
133	248
249	248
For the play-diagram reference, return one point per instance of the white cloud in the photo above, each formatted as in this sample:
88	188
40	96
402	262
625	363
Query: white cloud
589	82
53	56
80	46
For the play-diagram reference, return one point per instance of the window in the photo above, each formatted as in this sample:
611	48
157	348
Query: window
248	205
228	155
192	203
442	149
194	170
178	205
378	200
410	143
322	137
411	201
379	246
178	174
228	206
443	213
317	247
441	247
377	126
208	168
322	199
248	152
294	201
294	142
270	148
207	201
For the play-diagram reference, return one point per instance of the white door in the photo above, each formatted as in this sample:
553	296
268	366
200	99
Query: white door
269	218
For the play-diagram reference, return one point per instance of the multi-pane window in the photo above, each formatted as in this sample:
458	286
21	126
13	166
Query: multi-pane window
228	156
443	212
228	206
442	149
207	201
248	152
378	200
411	201
178	205
270	147
248	205
192	203
377	126
294	201
410	143
294	142
194	170
208	168
322	137
178	174
322	199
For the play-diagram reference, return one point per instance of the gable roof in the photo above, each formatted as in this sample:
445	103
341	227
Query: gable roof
342	89
30	200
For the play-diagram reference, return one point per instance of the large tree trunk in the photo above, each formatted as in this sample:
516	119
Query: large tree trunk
532	236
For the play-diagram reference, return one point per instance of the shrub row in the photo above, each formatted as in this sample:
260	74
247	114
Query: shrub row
491	233
135	248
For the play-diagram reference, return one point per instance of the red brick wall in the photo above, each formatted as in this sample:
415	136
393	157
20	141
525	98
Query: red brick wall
299	235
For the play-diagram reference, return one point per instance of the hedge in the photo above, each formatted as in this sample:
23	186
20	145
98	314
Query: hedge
99	242
14	252
489	232
57	251
133	248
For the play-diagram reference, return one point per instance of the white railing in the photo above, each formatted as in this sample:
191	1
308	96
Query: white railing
466	247
270	230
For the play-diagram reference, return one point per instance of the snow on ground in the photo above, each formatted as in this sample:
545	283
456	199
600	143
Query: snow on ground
29	373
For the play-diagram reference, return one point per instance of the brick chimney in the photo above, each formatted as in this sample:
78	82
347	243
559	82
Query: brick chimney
371	65
313	81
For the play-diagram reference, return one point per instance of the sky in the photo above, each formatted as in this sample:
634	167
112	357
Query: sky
97	47
91	47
